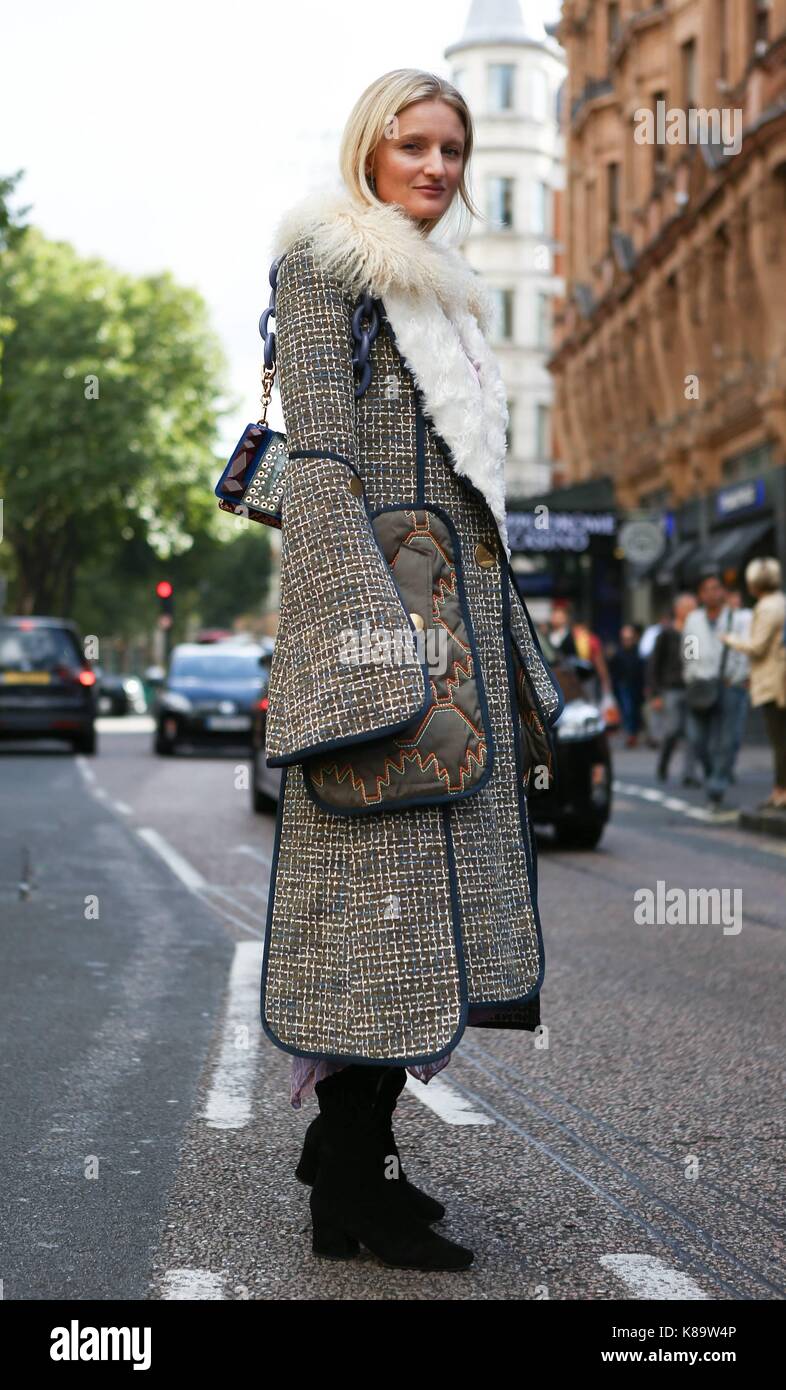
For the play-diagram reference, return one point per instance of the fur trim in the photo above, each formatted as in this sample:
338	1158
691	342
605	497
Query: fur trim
435	302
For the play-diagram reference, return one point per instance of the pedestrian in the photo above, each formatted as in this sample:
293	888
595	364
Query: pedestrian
627	673
653	713
763	644
715	684
574	639
666	686
403	898
742	621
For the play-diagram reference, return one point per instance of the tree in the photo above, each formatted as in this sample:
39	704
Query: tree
108	417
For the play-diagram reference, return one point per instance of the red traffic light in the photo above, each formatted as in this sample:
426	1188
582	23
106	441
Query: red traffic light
164	588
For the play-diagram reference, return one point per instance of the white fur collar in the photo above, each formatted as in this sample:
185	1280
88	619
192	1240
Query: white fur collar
434	302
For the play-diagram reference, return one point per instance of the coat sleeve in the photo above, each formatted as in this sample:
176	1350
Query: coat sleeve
766	622
345	666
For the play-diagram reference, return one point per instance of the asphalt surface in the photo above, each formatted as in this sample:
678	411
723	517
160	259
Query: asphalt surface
148	1140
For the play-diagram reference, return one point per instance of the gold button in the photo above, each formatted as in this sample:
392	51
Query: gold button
485	555
418	621
356	486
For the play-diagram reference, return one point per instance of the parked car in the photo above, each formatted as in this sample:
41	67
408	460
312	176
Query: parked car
119	694
577	806
208	695
47	687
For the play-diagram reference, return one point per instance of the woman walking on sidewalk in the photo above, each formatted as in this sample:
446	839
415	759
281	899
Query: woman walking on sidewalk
764	645
408	699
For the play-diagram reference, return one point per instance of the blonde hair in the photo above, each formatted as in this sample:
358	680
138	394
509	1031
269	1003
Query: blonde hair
763	575
370	119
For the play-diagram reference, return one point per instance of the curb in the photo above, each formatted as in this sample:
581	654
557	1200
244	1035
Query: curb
764	823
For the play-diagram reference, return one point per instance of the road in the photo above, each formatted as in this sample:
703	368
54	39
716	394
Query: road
149	1141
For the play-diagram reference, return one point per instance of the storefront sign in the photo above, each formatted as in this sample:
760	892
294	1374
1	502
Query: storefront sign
740	497
544	529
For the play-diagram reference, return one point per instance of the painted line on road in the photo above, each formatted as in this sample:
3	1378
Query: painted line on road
229	1103
647	1276
674	803
446	1102
85	769
125	724
252	854
186	1284
186	872
123	808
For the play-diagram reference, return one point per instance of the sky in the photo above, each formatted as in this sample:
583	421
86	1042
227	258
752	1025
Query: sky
172	134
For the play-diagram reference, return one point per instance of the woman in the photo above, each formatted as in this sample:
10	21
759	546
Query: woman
408	698
764	646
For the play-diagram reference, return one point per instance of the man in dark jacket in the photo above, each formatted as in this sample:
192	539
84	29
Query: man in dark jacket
666	686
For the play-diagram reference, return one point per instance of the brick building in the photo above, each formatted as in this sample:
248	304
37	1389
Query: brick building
669	357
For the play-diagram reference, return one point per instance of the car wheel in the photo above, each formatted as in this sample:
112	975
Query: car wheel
86	741
580	836
164	747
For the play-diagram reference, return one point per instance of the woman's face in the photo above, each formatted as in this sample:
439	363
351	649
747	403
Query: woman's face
418	161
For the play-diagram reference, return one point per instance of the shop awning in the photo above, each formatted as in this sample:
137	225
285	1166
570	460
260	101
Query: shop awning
666	567
728	549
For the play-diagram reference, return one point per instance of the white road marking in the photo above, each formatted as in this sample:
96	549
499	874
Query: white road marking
252	854
123	808
125	724
85	768
186	872
674	803
186	1284
446	1102
647	1276
229	1103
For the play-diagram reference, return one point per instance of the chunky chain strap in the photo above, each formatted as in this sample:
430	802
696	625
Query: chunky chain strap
365	327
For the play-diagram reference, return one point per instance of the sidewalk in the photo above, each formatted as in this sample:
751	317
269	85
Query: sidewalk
753	783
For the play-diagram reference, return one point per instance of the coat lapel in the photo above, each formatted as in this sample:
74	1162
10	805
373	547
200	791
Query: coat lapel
435	303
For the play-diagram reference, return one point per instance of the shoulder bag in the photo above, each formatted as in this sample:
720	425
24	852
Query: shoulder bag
252	484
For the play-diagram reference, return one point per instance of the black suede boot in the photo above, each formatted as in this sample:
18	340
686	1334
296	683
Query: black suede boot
393	1083
357	1197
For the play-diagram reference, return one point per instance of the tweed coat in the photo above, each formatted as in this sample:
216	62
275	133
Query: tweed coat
404	880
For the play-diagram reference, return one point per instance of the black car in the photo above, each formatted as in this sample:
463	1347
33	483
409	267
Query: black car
577	806
208	695
119	695
47	687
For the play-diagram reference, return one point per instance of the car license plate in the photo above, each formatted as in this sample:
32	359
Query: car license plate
27	678
228	722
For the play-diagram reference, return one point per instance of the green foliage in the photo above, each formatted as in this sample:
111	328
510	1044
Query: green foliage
109	408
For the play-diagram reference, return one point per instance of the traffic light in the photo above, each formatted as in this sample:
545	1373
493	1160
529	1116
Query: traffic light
164	592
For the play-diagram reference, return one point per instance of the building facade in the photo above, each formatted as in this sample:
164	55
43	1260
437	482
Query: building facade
670	347
511	76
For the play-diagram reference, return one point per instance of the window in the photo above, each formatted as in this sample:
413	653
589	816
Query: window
502	326
613	197
543	423
541	221
750	463
458	78
612	23
658	151
761	24
500	86
537	94
544	320
689	74
500	201
723	51
509	432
